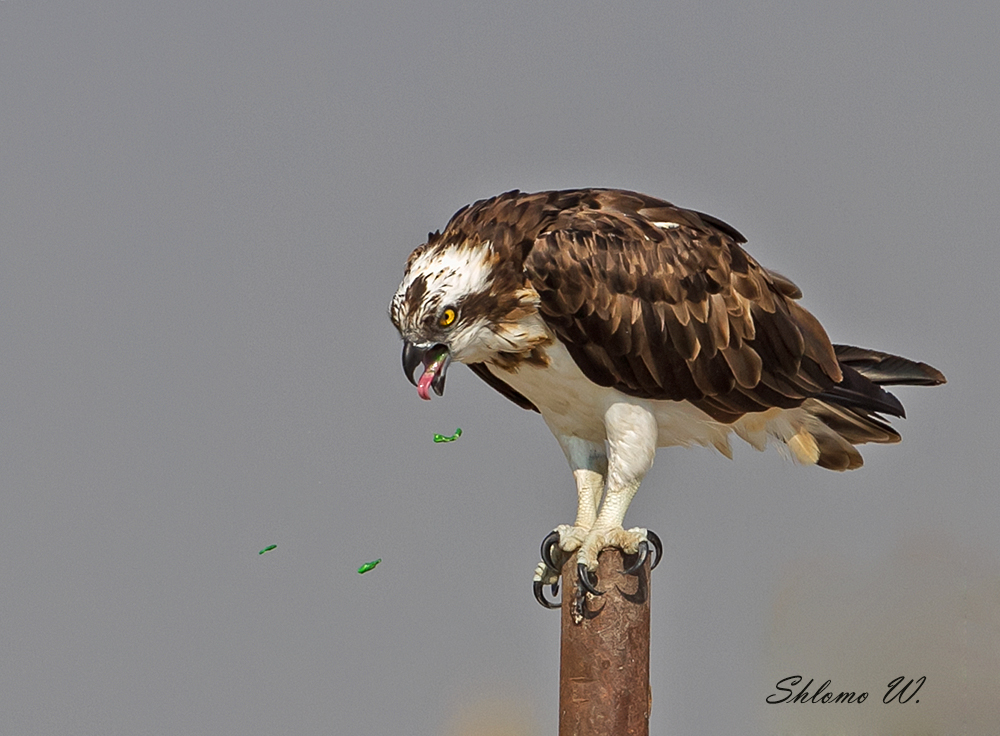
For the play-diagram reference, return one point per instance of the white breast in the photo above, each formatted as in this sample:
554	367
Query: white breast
572	404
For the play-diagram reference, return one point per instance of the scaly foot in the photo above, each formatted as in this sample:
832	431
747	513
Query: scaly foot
556	549
565	540
632	542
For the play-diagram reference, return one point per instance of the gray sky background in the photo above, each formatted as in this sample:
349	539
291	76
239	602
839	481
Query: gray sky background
204	210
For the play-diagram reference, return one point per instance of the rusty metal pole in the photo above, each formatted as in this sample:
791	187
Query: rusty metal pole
604	659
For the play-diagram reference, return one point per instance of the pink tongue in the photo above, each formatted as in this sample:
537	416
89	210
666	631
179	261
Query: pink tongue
424	384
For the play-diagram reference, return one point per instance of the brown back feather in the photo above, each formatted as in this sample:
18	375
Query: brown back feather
675	313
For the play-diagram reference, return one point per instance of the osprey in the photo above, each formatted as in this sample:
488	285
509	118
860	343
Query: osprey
629	324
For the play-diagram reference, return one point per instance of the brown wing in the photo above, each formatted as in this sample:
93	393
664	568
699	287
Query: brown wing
663	303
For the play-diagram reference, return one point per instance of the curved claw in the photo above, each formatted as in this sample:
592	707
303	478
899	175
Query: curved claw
657	545
640	558
584	575
547	544
540	594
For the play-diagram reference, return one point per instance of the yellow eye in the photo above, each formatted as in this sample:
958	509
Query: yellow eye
447	317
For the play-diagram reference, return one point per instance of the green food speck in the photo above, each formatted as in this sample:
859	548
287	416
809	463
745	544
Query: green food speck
368	566
443	438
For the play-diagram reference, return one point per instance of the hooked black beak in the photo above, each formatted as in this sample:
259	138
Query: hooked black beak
412	357
435	359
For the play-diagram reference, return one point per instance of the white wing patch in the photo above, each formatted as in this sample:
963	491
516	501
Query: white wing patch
667	225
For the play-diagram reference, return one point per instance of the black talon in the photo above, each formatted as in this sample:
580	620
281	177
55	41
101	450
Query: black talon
584	575
639	559
547	544
657	545
540	594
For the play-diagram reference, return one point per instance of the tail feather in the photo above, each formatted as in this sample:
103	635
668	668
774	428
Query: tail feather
849	412
888	370
853	424
857	390
836	453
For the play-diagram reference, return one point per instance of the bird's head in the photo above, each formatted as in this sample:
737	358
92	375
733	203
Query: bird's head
457	302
